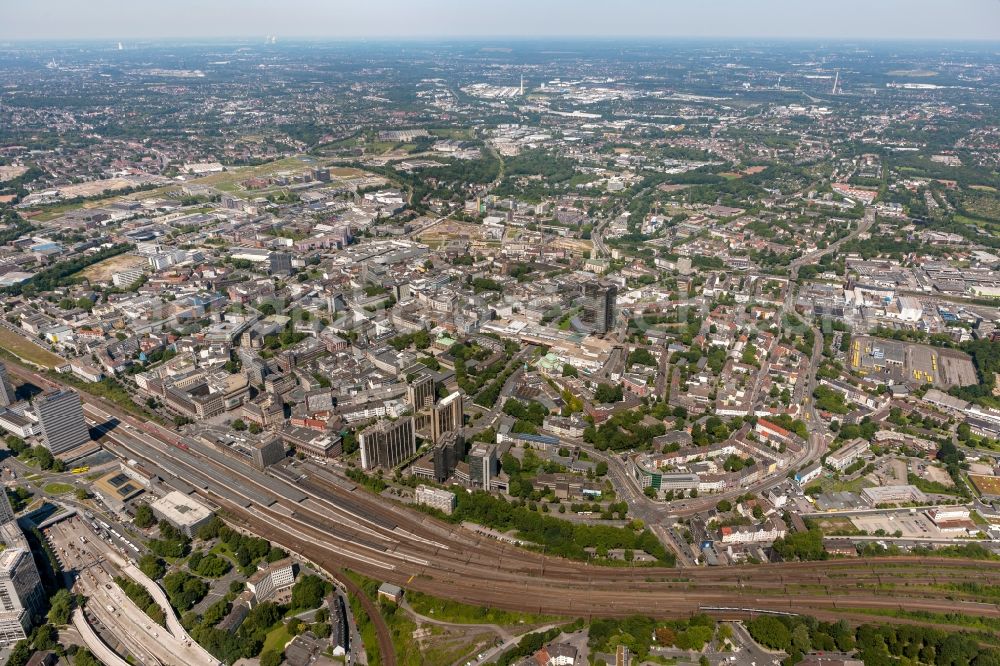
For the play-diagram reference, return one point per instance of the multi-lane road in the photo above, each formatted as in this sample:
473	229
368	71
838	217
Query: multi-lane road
312	512
94	566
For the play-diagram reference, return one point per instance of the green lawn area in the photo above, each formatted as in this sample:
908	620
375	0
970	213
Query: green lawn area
831	485
27	350
277	639
976	222
459	613
223	549
53	211
57	488
381	146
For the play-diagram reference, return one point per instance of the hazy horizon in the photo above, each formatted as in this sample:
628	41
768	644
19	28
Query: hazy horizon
891	20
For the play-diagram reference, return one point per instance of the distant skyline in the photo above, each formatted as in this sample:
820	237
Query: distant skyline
453	19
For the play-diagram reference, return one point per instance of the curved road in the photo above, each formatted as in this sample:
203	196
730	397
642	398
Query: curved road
335	528
94	643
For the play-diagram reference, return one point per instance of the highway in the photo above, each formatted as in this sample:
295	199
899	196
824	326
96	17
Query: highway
99	648
338	528
95	565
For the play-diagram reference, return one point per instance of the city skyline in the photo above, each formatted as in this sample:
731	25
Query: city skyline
449	19
579	348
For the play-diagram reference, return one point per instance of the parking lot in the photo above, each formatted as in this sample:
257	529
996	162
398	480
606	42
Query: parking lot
916	526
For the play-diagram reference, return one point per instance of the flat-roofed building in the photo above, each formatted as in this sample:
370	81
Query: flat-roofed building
183	512
482	464
271	578
116	488
442	500
393	593
387	443
447	416
420	392
17	424
6	510
126	278
60	416
7	396
267	452
877	495
446	454
847	454
315	443
599	306
21	594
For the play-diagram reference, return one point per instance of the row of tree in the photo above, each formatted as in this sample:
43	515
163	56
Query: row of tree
876	645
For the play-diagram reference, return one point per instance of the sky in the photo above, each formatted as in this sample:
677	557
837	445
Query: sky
749	19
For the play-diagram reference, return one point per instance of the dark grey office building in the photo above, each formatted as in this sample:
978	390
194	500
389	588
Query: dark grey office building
60	415
599	306
446	454
6	388
387	443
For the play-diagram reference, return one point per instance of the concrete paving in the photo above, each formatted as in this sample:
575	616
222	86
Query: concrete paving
95	565
94	643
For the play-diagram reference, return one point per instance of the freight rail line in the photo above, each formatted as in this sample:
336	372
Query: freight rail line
335	528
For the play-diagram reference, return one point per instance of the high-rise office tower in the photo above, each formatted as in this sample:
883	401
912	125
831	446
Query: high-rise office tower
6	510
6	388
599	305
482	464
20	594
387	443
60	415
447	416
420	392
420	397
446	454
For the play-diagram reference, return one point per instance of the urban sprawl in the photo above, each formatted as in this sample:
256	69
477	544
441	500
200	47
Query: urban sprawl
455	354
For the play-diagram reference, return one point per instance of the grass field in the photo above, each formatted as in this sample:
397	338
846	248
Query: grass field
223	549
843	525
28	350
56	488
54	211
345	172
986	225
452	133
987	485
459	613
982	204
829	484
277	639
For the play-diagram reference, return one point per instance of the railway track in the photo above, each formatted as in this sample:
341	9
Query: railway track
337	528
